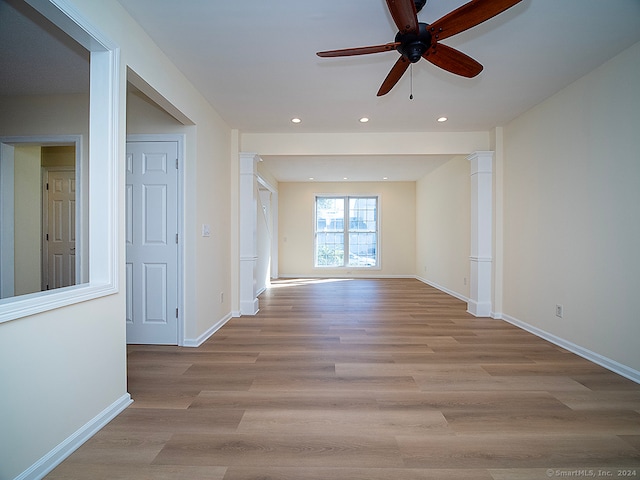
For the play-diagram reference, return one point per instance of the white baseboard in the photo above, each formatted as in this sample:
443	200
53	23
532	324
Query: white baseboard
191	342
56	456
609	364
443	289
355	276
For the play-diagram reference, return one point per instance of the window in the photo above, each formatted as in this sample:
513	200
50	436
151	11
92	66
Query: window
346	224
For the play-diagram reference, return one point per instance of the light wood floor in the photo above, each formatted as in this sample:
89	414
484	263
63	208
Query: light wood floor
366	380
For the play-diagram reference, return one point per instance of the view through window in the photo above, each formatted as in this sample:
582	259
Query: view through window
44	89
346	231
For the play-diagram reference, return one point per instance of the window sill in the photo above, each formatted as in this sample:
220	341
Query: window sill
25	305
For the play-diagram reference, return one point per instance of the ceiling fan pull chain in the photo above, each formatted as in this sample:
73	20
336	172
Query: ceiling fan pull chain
411	82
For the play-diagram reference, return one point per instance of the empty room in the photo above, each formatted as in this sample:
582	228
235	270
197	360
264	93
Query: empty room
319	240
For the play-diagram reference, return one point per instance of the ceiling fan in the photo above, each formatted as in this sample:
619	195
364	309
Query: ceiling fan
416	40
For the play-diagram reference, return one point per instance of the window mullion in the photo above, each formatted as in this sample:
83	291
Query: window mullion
347	213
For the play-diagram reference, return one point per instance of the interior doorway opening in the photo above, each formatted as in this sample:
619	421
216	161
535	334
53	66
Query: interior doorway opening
43	229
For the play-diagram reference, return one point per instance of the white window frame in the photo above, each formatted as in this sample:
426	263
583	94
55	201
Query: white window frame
346	231
103	169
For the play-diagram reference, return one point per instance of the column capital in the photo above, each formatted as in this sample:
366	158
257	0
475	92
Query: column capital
248	162
481	162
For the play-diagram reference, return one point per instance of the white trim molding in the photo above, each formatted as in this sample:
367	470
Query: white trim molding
56	456
457	295
196	342
481	262
609	364
248	210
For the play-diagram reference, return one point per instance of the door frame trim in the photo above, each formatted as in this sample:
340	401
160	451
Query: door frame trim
180	140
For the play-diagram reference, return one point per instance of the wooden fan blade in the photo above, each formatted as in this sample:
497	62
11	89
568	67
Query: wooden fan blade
394	75
469	15
346	52
404	15
452	60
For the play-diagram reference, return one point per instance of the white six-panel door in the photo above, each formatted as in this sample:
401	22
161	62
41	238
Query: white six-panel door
152	242
60	235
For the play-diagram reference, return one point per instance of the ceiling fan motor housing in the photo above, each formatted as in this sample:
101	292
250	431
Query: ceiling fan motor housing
412	44
419	4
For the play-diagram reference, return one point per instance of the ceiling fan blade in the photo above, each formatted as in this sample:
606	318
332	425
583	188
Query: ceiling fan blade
404	15
452	60
469	15
394	75
346	52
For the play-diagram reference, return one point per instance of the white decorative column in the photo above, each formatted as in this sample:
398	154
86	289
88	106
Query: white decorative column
481	233
248	208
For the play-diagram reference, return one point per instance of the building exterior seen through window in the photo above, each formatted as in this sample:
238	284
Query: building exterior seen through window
346	231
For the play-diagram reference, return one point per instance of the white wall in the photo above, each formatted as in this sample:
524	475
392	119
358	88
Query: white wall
207	178
58	371
396	218
571	212
61	369
443	210
28	220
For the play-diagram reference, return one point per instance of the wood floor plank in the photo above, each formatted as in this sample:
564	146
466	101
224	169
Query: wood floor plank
442	371
112	447
539	421
159	396
327	473
279	450
371	379
72	471
546	473
374	423
601	400
285	400
333	382
513	382
478	402
218	420
517	451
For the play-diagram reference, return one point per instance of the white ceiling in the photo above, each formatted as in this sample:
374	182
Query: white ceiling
254	60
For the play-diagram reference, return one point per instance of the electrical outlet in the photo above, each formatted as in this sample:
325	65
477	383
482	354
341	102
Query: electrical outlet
559	310
465	280
221	297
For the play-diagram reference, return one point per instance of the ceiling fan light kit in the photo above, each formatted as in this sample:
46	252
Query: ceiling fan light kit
416	40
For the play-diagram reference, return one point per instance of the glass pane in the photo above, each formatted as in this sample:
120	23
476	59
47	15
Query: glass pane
329	214
362	214
362	249
329	249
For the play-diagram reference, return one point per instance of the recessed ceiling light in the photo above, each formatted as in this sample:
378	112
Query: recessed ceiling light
311	178
385	178
364	120
296	120
344	178
442	119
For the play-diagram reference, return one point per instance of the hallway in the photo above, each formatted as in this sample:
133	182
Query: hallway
369	379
